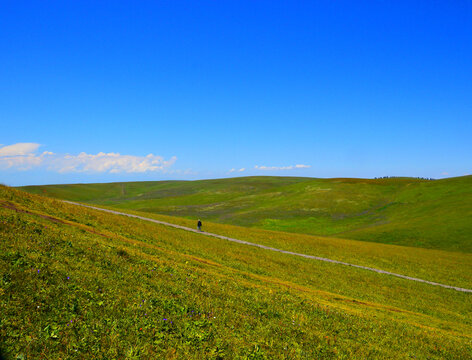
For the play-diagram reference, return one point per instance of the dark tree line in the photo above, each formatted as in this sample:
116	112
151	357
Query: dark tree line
396	177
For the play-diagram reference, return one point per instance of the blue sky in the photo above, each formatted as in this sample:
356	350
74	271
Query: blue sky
149	90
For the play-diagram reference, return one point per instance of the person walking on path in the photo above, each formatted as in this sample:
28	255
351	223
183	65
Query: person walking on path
199	225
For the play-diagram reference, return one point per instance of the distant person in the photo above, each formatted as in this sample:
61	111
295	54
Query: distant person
199	225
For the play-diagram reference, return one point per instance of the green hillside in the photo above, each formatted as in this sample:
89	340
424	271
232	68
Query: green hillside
404	211
77	283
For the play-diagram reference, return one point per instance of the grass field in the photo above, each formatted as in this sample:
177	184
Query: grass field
402	211
77	283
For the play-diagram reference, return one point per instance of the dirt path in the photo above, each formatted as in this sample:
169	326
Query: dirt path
274	249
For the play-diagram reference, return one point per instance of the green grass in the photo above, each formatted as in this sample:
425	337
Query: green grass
106	283
453	268
403	211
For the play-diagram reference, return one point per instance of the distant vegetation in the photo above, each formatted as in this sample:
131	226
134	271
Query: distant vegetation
403	211
77	283
396	177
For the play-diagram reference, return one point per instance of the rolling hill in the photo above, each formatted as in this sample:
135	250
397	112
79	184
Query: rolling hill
80	283
404	211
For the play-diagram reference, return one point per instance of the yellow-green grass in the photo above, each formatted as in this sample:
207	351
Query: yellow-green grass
447	267
402	211
225	300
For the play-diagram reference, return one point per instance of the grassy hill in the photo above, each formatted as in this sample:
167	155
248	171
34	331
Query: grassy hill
77	283
404	211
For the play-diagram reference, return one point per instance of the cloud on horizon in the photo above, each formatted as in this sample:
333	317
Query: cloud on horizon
23	156
237	170
274	168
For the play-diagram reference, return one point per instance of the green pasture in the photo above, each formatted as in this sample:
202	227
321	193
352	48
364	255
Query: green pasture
403	211
447	267
77	283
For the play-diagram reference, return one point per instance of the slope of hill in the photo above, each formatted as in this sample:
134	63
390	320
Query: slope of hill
78	283
404	211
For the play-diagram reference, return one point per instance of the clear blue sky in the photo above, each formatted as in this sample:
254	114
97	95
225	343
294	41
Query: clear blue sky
340	88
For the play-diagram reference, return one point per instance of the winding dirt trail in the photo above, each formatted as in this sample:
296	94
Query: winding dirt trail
273	249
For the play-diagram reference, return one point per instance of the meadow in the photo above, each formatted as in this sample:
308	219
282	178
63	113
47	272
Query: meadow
78	283
401	211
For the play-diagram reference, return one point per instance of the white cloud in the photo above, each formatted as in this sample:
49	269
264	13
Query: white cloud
112	163
19	149
444	173
21	156
20	162
237	170
290	167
